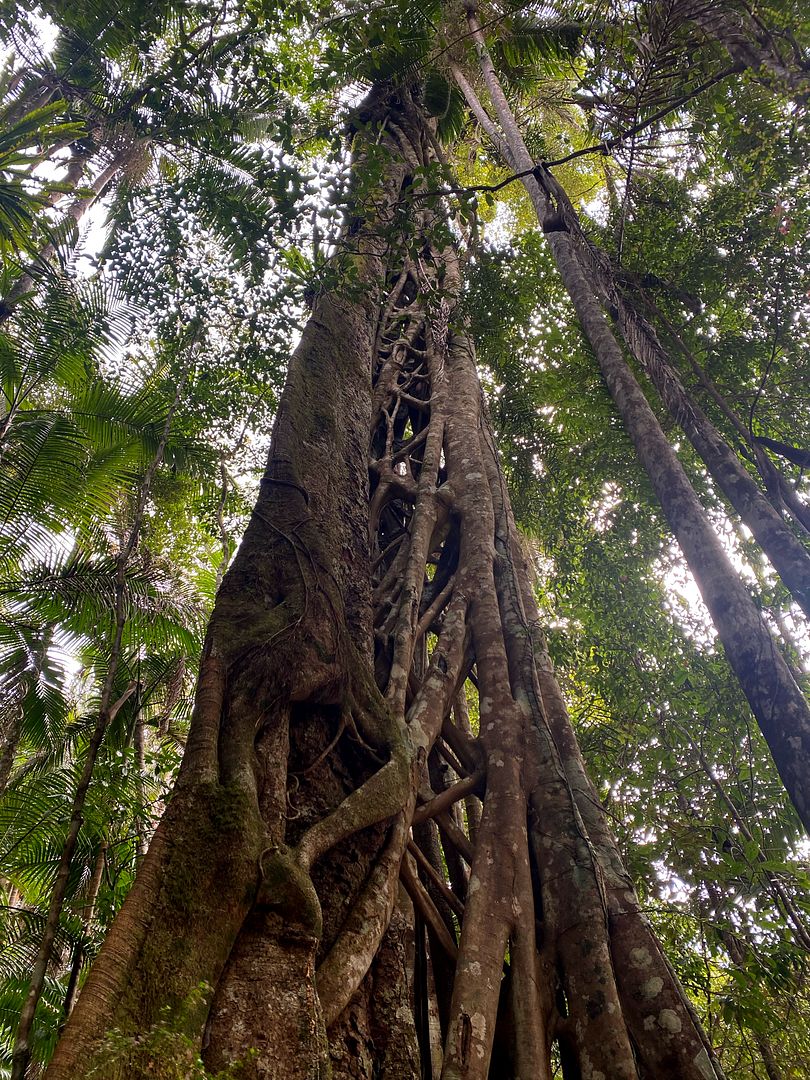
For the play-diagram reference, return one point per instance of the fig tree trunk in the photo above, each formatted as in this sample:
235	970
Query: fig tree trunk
383	857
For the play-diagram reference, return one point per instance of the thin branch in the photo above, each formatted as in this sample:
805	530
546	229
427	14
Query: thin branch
445	799
427	909
598	148
771	360
444	889
453	835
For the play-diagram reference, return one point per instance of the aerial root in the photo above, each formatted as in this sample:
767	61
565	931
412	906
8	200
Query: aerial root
345	966
427	909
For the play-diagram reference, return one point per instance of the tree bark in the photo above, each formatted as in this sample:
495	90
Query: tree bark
285	652
380	574
778	704
789	557
779	492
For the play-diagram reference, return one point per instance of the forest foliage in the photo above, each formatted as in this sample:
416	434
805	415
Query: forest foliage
173	183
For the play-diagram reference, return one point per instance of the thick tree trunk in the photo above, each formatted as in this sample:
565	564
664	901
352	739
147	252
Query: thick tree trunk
289	637
274	875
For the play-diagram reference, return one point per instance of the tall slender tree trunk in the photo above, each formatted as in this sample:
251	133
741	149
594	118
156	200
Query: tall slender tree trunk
788	555
780	493
88	913
355	614
777	702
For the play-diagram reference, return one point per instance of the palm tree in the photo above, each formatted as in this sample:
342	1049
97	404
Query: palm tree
124	124
72	442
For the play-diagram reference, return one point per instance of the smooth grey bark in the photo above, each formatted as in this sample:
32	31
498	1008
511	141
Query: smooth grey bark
788	555
780	493
775	699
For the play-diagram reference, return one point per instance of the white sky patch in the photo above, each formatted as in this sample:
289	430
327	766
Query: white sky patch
501	229
601	517
598	208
